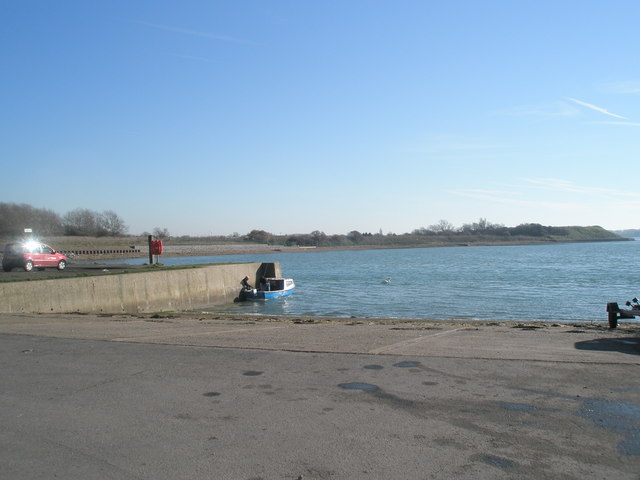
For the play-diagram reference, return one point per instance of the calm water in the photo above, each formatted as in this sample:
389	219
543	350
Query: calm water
532	282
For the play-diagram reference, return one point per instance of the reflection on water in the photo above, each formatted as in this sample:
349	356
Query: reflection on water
565	282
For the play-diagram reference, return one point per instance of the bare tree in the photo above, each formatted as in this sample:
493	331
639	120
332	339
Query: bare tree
80	221
161	233
14	218
108	223
443	226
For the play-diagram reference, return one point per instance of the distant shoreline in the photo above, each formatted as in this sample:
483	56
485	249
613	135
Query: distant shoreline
187	250
103	248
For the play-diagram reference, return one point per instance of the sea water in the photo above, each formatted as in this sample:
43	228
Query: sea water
555	282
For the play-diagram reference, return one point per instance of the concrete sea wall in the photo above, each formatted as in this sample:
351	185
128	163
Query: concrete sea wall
144	292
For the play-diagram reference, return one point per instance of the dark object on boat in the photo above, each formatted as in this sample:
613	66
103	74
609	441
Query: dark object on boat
270	288
615	312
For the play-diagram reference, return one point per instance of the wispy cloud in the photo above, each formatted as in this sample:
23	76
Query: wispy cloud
194	58
596	108
628	124
568	194
509	198
625	87
559	184
195	33
567	186
453	144
499	195
556	109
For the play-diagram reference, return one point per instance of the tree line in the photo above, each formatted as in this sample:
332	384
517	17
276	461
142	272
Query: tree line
442	232
14	218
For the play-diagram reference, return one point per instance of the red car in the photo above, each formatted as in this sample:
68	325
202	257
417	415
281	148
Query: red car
30	255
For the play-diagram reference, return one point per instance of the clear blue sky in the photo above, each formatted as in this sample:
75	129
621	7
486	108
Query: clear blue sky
292	116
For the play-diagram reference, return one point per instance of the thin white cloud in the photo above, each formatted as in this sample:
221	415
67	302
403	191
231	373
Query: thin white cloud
509	198
628	124
567	186
557	184
596	108
195	33
191	57
625	87
556	109
449	143
519	197
484	193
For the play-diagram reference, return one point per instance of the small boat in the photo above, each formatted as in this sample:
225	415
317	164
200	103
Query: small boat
269	289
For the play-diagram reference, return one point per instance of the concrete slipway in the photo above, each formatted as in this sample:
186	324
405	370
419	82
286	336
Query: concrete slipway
165	289
223	397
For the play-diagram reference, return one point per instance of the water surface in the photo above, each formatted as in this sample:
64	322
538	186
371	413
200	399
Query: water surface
561	282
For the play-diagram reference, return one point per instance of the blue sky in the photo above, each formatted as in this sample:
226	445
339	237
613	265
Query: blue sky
210	117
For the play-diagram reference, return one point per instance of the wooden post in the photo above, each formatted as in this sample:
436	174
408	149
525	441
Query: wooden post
150	254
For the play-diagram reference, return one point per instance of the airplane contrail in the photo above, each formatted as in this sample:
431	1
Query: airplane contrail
596	108
195	33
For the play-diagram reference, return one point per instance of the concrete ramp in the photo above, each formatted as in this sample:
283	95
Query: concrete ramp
144	292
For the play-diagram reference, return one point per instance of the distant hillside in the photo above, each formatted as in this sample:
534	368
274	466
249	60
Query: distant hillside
582	233
633	233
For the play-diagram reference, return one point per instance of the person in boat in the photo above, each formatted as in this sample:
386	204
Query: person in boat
245	284
264	285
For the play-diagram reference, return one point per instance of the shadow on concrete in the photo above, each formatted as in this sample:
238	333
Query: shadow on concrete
629	345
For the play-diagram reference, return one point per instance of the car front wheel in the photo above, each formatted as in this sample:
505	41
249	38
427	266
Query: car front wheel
28	266
62	265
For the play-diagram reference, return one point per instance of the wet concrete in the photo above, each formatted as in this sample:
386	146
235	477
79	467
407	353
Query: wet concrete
86	397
